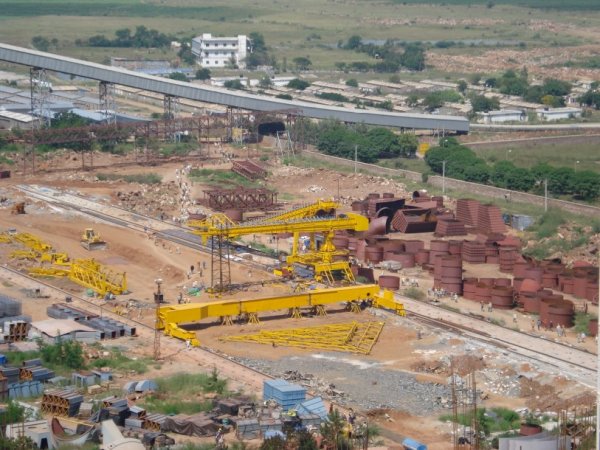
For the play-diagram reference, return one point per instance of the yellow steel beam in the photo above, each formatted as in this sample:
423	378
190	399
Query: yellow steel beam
303	212
349	221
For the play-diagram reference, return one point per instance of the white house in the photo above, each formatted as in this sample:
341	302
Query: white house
503	115
220	51
558	113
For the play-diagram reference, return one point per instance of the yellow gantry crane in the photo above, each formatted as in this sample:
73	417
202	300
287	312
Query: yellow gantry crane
322	260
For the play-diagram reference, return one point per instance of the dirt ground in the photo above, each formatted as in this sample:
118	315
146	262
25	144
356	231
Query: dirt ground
144	260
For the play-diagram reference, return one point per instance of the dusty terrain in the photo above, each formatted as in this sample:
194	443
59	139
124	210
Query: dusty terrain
400	368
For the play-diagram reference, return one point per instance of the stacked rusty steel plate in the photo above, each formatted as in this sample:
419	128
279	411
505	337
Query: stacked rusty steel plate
374	254
447	274
422	257
359	207
413	246
450	227
438	248
467	211
557	312
392	245
473	252
439	200
489	219
508	256
469	288
502	297
390	282
455	247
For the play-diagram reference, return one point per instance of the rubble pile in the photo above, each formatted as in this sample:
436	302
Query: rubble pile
150	200
501	382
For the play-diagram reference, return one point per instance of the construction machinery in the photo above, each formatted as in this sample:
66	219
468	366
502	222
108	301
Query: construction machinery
323	263
90	240
171	316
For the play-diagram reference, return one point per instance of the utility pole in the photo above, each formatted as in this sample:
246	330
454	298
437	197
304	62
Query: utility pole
338	196
443	177
158	299
355	159
546	195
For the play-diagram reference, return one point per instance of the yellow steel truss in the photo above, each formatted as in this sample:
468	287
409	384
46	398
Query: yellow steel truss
33	242
5	238
88	273
354	337
319	208
24	254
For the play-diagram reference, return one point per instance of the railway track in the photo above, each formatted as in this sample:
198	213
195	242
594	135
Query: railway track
584	371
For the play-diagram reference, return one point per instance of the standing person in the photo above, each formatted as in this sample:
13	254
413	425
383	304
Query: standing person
514	317
482	306
539	324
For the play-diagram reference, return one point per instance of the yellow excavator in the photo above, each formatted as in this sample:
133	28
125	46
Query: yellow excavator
90	240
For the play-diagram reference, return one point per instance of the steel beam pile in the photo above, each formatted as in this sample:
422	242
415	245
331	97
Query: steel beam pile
244	199
61	402
110	328
154	422
249	169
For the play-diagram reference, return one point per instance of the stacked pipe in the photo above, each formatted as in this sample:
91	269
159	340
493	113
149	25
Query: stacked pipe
447	273
61	402
508	256
497	291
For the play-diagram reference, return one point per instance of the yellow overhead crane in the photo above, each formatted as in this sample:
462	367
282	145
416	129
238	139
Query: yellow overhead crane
171	316
322	260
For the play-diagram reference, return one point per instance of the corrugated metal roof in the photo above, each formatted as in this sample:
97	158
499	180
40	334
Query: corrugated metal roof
63	64
19	117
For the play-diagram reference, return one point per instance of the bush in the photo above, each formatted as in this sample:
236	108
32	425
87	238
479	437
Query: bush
298	84
414	293
548	223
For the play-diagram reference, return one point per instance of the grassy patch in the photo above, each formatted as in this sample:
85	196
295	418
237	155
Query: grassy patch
548	223
493	420
221	178
177	394
141	178
412	164
582	321
414	293
556	154
118	361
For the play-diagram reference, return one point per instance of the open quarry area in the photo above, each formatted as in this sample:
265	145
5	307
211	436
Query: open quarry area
438	351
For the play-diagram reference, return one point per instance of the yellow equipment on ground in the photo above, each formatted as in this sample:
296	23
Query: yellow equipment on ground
171	316
90	240
354	337
322	261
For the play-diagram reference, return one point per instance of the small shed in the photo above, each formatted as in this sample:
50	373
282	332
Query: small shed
52	330
558	113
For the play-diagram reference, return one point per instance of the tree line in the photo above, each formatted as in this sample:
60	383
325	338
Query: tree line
389	58
142	37
368	144
463	164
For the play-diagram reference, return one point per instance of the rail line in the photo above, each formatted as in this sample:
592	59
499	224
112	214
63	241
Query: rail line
158	227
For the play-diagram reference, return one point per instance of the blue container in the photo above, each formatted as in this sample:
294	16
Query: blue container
2	359
411	444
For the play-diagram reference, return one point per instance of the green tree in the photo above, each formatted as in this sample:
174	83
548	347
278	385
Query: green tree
186	55
555	87
332	429
586	185
408	143
179	76
384	142
40	43
306	441
413	58
412	99
302	63
233	84
258	43
354	42
298	84
352	82
511	84
203	74
21	443
561	181
462	86
591	98
265	82
481	103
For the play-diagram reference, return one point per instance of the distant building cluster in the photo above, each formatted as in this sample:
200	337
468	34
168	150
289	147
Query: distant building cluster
220	51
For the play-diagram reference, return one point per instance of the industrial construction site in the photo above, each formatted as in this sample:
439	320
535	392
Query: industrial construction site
308	290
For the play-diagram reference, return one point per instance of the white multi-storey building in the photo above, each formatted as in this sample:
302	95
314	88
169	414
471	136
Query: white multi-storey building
220	51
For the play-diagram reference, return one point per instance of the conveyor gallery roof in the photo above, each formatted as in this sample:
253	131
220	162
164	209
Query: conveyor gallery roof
211	94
